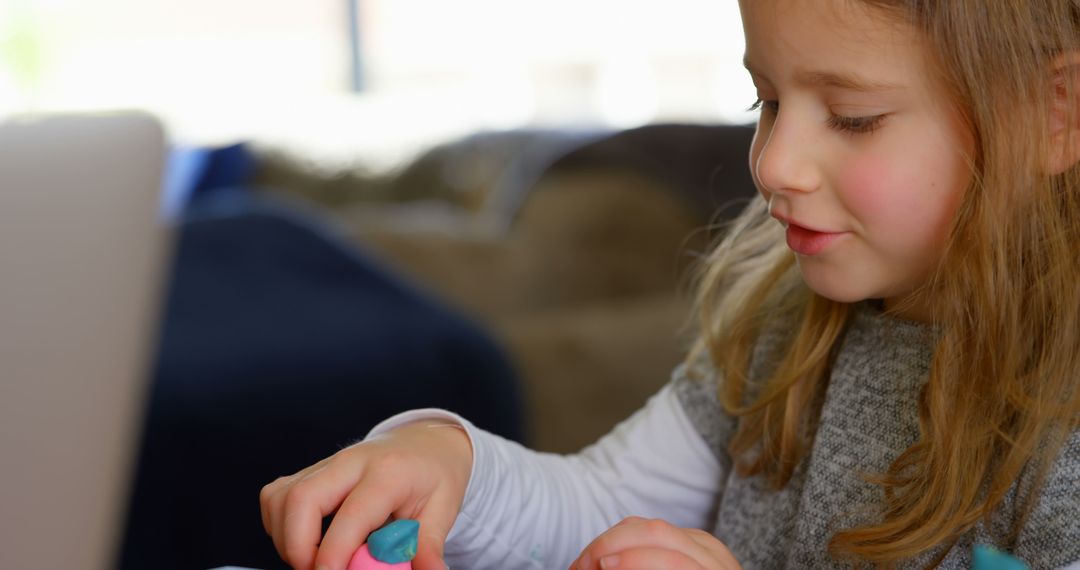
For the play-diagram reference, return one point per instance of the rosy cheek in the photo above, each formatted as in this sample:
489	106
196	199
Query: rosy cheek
879	193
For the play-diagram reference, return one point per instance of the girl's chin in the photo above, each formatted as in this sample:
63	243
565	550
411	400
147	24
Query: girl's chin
839	292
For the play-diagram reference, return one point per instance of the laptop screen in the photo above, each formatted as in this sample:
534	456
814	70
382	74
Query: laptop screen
82	250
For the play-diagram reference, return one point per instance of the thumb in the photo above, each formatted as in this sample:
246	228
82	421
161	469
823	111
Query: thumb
435	524
429	553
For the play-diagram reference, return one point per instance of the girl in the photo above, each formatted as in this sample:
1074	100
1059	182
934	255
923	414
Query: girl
887	372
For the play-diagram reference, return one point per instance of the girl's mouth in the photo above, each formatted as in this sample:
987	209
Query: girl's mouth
809	242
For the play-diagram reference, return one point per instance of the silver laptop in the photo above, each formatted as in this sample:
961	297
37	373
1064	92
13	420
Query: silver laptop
82	249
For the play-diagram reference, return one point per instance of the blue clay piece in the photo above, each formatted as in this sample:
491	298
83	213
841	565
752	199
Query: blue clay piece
396	542
987	558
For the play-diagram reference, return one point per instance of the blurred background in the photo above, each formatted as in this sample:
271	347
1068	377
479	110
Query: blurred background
376	78
492	207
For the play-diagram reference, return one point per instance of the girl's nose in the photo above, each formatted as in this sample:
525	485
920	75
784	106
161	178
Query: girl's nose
785	161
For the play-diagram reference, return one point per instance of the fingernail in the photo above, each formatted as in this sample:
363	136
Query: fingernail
609	562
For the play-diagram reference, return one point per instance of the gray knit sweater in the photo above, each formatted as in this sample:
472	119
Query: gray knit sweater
869	417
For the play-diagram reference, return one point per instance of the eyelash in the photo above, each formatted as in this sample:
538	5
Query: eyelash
850	125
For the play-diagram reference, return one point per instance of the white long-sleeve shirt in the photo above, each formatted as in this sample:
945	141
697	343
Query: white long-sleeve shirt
525	509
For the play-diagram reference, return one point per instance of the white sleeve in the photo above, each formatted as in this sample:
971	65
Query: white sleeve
525	509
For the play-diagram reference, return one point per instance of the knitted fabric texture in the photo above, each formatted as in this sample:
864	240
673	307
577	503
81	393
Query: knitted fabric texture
869	417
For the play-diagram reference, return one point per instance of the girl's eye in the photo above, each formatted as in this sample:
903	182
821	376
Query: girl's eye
855	125
772	106
849	125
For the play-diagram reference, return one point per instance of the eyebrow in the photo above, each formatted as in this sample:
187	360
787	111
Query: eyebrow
838	80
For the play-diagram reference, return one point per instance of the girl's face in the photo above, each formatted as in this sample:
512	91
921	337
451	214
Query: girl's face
857	151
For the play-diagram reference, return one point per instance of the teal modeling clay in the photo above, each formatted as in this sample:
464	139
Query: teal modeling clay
395	542
989	558
392	547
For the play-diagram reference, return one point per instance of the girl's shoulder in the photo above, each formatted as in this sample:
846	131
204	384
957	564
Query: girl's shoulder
696	384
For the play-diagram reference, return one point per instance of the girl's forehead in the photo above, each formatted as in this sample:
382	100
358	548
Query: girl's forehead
843	13
824	34
849	21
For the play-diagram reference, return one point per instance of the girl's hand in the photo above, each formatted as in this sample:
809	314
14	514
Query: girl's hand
647	544
416	471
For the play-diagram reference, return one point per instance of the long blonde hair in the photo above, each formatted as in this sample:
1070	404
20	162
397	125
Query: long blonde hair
1002	394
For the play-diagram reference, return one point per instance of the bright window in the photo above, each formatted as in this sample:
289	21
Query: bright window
280	72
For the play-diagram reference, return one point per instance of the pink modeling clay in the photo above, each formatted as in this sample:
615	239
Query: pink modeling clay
363	560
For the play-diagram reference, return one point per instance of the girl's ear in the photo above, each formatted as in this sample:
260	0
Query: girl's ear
1064	114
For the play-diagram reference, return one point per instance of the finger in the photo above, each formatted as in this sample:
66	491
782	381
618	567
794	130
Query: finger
292	507
647	558
266	495
365	509
264	503
436	519
277	511
315	496
716	548
277	516
584	559
626	521
644	533
271	500
588	554
630	520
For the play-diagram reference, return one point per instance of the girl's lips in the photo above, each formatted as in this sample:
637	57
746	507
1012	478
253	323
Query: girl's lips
805	241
